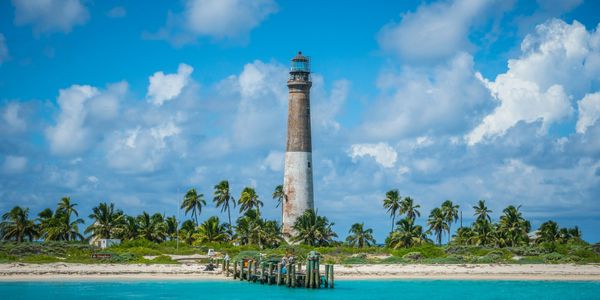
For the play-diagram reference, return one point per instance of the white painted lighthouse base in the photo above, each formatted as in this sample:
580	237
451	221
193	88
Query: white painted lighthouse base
298	188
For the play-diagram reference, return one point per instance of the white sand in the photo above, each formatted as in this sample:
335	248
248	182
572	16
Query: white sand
66	271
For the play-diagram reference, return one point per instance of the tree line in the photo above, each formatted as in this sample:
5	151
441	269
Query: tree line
511	230
250	228
109	222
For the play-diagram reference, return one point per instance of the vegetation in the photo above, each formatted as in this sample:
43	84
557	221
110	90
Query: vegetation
360	237
150	238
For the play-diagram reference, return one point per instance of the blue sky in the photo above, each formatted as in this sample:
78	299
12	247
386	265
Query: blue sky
134	103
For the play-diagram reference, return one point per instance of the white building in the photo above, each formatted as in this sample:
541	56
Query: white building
105	243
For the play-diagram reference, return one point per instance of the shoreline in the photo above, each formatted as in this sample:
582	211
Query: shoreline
20	272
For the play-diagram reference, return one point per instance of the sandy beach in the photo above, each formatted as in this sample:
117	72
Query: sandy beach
66	271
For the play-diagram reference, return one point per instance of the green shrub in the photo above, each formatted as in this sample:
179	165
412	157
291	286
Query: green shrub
412	256
163	259
354	260
526	251
553	258
39	259
393	260
426	250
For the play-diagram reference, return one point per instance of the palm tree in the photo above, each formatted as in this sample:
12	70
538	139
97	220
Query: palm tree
408	207
17	225
484	234
224	200
193	202
450	212
249	200
152	228
463	236
407	234
359	237
437	224
482	212
107	221
313	230
47	224
513	226
564	235
211	231
129	228
392	204
549	232
575	233
187	231
248	227
280	196
68	230
271	234
67	207
171	225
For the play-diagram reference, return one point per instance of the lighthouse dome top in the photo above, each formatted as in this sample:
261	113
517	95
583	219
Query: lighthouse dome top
300	63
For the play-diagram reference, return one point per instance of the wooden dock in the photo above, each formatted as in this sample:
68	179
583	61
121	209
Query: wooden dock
291	275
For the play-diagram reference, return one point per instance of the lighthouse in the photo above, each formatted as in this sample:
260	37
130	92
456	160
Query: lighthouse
298	175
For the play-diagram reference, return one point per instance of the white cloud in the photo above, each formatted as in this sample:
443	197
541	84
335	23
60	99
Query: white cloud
262	106
226	18
589	111
117	12
3	49
435	31
14	164
326	108
80	107
382	153
559	62
521	101
12	117
419	102
69	135
141	150
230	20
163	88
274	161
50	15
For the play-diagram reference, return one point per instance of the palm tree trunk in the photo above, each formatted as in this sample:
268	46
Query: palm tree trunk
229	217
393	222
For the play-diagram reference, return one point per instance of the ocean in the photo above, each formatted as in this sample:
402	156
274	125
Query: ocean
347	290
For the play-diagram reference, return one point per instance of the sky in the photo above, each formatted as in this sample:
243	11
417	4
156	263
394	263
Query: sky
135	102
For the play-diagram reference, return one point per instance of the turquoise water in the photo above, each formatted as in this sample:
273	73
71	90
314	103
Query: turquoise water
347	290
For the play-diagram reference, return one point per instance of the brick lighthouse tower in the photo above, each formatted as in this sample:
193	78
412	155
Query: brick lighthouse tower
298	179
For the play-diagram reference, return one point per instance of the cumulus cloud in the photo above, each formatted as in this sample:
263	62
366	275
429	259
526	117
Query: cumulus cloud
141	149
589	111
12	117
435	31
326	108
217	19
81	106
14	164
166	87
50	15
274	161
226	18
383	153
3	49
262	91
417	102
559	62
